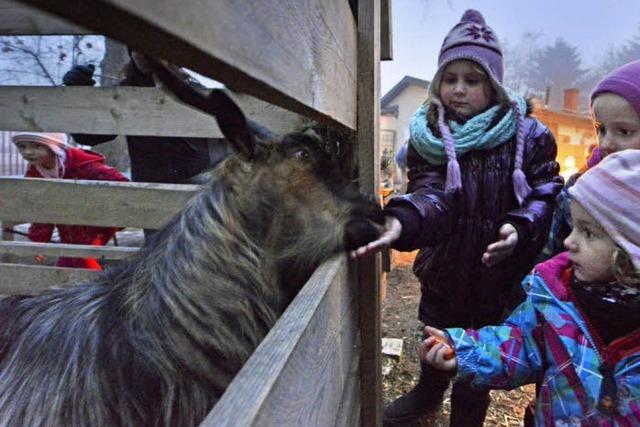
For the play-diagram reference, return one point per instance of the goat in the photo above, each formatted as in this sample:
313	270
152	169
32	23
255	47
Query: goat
155	340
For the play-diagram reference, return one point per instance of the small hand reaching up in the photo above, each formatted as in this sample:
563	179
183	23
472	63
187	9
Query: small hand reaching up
500	250
393	229
435	350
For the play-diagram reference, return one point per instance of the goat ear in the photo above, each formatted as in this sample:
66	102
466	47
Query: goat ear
230	118
232	123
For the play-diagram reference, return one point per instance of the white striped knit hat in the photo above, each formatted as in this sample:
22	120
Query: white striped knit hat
610	192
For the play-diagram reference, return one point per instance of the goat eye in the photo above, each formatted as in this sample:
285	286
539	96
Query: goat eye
301	154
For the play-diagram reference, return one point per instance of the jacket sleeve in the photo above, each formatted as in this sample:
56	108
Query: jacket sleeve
561	224
533	218
40	232
101	172
505	356
426	211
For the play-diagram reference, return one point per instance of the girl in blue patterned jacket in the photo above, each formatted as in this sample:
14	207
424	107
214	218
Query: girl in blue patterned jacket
578	332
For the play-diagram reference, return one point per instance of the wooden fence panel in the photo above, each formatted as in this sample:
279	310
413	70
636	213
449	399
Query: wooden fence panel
299	55
123	111
68	250
304	369
33	280
369	180
101	203
17	19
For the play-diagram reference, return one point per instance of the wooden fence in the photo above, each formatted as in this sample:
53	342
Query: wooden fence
320	364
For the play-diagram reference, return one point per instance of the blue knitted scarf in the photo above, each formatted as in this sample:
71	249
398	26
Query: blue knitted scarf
473	135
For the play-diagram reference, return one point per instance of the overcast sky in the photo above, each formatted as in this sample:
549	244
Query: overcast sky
419	26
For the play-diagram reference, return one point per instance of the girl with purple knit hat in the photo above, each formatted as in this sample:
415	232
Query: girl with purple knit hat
578	332
482	183
615	107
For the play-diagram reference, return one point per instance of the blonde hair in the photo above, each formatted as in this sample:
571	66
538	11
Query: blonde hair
623	270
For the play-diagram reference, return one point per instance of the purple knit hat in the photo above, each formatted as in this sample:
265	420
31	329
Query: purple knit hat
474	40
610	192
623	81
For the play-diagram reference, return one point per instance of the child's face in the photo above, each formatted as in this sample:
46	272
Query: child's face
465	89
590	247
616	122
37	154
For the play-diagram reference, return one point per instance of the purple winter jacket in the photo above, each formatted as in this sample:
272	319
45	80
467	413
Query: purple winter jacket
453	230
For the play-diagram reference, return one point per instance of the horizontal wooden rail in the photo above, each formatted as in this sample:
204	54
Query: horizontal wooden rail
67	250
18	19
122	110
306	367
33	280
100	203
299	55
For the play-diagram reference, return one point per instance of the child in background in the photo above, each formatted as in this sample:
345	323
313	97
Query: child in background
50	157
578	332
482	183
615	106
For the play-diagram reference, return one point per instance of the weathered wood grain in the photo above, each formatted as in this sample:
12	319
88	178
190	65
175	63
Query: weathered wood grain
18	19
297	375
299	55
124	111
33	280
68	250
102	203
369	161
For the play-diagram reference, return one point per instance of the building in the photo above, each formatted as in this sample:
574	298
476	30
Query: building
573	131
396	109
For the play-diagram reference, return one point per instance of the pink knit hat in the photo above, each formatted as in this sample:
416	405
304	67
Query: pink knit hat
55	141
610	192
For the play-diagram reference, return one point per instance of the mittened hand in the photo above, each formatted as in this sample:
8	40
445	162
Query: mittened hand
80	75
436	351
500	250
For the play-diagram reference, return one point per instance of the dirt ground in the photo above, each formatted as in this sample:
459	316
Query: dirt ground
400	320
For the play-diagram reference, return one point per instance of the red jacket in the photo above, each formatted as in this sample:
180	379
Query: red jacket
79	164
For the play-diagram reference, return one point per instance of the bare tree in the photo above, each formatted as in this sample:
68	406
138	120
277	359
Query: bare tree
43	60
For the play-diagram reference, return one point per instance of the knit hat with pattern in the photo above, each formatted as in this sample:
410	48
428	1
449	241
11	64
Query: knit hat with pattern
472	39
610	192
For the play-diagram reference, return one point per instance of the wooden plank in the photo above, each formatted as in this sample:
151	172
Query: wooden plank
299	55
68	250
6	236
369	167
83	202
297	375
122	110
386	31
35	279
20	20
349	412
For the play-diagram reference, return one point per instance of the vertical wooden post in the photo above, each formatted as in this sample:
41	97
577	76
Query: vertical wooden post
369	175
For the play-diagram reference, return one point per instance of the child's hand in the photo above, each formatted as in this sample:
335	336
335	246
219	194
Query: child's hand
393	229
436	351
500	250
38	258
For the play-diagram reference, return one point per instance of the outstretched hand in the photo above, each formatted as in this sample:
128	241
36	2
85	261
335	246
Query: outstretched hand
498	251
392	231
435	350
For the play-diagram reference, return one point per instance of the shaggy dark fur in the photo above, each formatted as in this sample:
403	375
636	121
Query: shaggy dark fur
156	340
